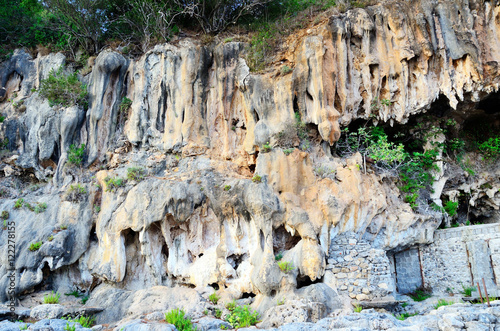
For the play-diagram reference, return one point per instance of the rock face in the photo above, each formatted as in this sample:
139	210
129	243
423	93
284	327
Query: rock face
217	203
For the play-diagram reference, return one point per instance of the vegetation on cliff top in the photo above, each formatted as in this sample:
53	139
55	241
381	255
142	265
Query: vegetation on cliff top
90	25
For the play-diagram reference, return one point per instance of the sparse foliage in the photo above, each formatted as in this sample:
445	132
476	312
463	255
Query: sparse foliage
113	183
178	318
35	246
64	89
135	173
75	155
285	266
242	316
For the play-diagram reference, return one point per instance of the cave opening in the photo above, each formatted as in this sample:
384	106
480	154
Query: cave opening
304	280
235	260
46	283
247	295
93	234
283	240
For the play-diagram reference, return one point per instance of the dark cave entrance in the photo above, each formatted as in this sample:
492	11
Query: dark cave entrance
283	240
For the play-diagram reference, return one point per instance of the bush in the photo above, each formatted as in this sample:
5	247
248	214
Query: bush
5	215
70	327
76	193
227	187
218	313
19	203
266	147
242	316
491	147
285	70
404	316
113	183
125	104
51	298
278	256
75	155
135	173
442	302
231	305
177	317
357	308
214	298
35	246
40	207
420	295
256	179
451	208
285	266
467	291
63	89
84	321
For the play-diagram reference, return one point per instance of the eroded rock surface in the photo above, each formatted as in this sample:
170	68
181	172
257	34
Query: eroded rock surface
222	195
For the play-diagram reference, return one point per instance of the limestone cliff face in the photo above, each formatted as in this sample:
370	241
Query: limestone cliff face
198	123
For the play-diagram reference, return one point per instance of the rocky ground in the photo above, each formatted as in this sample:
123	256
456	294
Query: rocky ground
458	316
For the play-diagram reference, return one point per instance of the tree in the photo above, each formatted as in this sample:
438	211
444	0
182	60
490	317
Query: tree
216	15
84	21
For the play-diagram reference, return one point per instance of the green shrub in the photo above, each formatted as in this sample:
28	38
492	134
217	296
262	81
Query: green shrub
288	151
40	207
491	147
113	183
5	215
75	155
76	193
357	308
256	179
214	298
227	187
63	89
451	208
177	317
51	298
285	70
419	295
51	238
285	266
85	321
135	173
218	313
278	256
467	290
242	316
75	293
85	299
442	302
404	316
266	147
231	305
35	246
70	327
19	203
125	104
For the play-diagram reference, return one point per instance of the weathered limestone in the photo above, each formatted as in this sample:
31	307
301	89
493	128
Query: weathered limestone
198	124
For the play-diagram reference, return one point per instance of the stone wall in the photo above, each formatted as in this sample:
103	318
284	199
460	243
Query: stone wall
361	271
462	255
458	256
